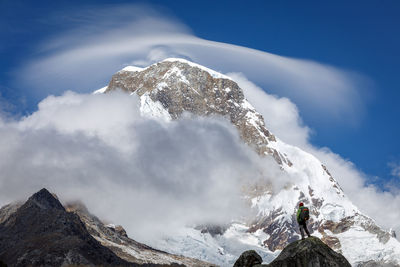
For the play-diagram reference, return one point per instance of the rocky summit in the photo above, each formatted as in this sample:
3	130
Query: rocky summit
42	233
311	252
175	86
169	89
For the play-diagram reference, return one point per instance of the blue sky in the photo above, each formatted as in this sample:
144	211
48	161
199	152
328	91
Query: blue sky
359	38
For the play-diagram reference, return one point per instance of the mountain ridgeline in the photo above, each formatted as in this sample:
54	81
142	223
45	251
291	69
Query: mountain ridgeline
43	232
172	87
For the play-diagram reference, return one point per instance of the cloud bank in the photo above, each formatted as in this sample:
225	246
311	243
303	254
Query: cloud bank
109	39
151	176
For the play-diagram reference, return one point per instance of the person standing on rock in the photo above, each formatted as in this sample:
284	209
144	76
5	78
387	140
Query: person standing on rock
303	215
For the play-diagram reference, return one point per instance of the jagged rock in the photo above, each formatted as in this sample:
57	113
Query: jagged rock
248	259
116	239
311	252
42	233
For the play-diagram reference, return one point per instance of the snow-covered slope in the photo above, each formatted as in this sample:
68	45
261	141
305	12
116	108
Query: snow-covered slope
173	87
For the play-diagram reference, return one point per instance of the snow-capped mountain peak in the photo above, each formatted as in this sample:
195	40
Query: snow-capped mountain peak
172	87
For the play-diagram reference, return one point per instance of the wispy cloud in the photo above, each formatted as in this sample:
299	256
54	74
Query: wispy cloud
395	169
83	59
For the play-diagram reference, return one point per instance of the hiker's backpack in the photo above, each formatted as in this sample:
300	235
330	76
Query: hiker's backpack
304	214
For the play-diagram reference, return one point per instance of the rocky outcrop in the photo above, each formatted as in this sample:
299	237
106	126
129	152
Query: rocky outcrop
116	239
311	252
42	233
248	259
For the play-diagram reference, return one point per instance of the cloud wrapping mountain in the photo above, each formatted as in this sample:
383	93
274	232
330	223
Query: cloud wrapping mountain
149	175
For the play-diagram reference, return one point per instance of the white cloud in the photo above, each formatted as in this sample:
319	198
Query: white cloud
151	176
395	169
83	59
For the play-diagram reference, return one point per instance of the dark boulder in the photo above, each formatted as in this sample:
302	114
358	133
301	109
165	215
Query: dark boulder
248	258
311	252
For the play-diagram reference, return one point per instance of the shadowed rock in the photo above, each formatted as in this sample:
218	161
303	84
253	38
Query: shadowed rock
42	233
248	259
311	252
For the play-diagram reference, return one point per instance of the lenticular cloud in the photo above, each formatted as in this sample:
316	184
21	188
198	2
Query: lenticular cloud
84	57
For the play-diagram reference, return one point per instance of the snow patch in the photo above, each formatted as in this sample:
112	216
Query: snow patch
132	69
213	73
151	109
222	250
100	91
357	240
178	73
111	226
332	212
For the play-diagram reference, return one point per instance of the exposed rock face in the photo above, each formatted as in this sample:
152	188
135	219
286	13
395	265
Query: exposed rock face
174	87
42	233
181	87
116	239
310	252
248	259
7	210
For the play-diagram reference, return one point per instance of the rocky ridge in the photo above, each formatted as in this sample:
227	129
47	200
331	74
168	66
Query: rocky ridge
174	87
116	239
41	232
